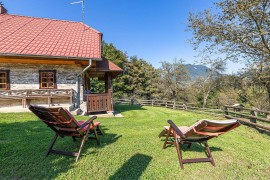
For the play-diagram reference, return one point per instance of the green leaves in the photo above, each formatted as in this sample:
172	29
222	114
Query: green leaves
173	79
138	79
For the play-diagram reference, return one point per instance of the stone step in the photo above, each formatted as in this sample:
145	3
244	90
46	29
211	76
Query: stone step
71	107
76	111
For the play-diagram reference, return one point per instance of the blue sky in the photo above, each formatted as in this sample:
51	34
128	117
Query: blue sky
151	29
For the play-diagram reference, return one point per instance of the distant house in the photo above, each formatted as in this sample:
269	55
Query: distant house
47	61
238	107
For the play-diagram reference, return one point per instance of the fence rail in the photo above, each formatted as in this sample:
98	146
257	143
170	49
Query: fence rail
249	116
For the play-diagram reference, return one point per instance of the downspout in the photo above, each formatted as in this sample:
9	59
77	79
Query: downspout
78	83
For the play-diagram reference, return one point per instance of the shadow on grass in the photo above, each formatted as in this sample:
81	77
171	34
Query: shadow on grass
133	168
23	146
123	108
197	147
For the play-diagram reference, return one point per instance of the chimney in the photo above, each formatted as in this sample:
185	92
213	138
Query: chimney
2	9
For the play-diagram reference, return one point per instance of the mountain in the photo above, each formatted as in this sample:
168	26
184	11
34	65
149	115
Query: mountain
197	70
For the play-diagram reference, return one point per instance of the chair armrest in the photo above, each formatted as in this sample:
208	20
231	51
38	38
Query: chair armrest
176	129
88	122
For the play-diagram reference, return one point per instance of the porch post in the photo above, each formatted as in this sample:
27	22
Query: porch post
78	92
108	89
108	84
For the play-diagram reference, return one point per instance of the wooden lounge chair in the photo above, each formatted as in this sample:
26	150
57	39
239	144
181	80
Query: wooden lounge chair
64	124
200	132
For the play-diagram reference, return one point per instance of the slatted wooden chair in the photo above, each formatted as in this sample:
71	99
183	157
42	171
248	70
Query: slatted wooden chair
200	132
64	124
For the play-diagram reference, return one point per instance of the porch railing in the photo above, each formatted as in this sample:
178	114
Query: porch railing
99	102
27	95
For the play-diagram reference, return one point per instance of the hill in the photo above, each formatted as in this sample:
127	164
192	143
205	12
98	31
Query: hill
197	70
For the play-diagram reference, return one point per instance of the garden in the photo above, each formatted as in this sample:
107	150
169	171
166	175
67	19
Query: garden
129	149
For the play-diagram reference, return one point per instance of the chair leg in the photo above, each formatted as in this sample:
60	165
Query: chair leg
96	136
82	144
178	149
74	139
167	138
100	131
162	133
209	154
51	144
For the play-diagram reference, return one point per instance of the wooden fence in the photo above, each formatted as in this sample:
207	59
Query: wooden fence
250	116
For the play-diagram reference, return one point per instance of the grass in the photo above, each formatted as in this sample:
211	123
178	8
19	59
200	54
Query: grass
130	149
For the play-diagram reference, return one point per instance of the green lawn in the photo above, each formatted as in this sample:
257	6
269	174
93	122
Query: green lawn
130	149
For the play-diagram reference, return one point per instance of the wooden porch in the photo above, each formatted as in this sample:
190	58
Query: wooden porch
94	102
28	95
99	102
84	98
104	71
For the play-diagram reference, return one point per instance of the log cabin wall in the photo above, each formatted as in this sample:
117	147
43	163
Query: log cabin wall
26	76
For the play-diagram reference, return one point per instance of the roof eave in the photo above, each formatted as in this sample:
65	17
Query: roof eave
100	70
48	56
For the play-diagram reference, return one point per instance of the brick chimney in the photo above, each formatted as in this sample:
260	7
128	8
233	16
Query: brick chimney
3	10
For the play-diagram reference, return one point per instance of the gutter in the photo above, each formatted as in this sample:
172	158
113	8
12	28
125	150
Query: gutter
78	83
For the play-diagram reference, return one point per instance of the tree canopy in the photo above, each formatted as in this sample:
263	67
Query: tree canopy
239	29
173	78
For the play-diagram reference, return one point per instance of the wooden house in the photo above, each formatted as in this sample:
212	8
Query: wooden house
48	61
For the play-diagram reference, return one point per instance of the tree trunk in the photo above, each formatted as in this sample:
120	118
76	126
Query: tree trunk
268	91
205	97
174	96
204	101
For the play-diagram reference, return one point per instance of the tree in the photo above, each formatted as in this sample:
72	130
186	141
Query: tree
227	97
138	79
253	87
115	55
141	77
120	84
239	30
207	84
173	79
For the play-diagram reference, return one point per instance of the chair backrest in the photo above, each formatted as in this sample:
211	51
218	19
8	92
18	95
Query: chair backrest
56	118
207	128
211	127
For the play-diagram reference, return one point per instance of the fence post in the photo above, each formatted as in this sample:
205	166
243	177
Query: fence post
166	104
173	104
268	116
184	106
152	102
253	112
226	110
132	101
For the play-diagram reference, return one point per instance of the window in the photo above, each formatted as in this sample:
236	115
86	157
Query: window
47	79
4	80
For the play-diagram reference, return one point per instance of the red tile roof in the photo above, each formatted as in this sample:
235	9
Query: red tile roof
21	35
108	66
